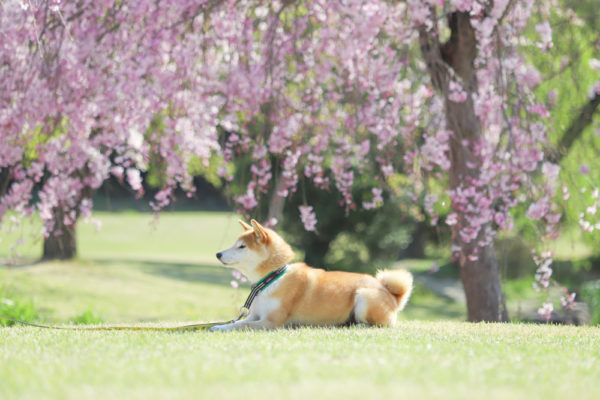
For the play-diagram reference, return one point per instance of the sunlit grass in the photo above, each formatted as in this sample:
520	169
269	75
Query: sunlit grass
118	291
174	236
415	359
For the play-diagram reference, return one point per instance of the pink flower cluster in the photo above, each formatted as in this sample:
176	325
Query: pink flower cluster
376	201
543	281
543	272
545	32
568	300
456	93
588	220
545	311
326	108
308	217
98	87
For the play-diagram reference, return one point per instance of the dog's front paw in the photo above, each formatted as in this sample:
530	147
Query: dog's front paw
219	328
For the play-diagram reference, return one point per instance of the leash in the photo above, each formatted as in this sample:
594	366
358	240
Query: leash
193	327
244	310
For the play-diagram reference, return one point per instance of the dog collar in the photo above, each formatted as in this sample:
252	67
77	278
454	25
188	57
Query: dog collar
263	283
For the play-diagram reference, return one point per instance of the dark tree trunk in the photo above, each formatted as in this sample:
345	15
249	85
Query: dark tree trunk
480	277
481	281
276	202
580	122
63	244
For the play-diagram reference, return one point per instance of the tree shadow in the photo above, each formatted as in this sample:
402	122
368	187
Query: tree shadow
424	311
179	271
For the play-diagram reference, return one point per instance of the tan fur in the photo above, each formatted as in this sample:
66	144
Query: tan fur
279	252
399	283
311	296
245	225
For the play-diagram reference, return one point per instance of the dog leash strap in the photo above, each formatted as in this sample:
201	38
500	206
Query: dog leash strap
30	324
192	327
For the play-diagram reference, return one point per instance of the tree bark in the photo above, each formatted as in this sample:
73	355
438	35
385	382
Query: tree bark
481	281
582	120
276	202
62	243
480	277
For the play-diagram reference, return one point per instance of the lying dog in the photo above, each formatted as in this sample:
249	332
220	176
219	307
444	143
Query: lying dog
297	294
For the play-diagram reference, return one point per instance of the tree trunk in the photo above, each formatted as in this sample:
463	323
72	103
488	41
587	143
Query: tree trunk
580	122
61	244
481	281
480	277
277	202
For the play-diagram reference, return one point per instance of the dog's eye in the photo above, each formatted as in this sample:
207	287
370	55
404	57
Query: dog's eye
242	246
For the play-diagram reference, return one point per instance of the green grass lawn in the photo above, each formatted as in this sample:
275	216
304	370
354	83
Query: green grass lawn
192	237
135	272
449	360
117	291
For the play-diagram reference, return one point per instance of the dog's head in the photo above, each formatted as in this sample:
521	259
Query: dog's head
256	252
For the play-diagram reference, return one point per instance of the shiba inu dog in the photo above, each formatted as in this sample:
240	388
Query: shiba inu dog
297	294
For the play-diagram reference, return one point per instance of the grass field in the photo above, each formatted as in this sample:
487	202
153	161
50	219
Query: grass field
449	360
166	274
192	237
133	269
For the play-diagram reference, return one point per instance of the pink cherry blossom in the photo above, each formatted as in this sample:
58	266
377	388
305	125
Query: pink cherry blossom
308	218
457	94
451	219
545	32
546	311
376	201
568	300
538	209
134	179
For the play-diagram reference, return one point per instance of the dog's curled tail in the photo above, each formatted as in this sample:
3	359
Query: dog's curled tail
399	282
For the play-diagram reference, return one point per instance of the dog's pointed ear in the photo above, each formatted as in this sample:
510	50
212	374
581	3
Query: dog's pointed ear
261	233
245	225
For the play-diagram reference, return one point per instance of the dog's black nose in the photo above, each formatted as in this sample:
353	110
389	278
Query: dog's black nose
219	255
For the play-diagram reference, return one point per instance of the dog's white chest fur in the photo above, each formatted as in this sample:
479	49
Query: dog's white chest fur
265	303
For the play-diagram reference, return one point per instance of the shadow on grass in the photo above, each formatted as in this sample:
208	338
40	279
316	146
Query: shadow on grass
179	271
423	311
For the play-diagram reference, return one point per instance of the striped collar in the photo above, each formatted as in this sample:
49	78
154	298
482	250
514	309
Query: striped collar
263	283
